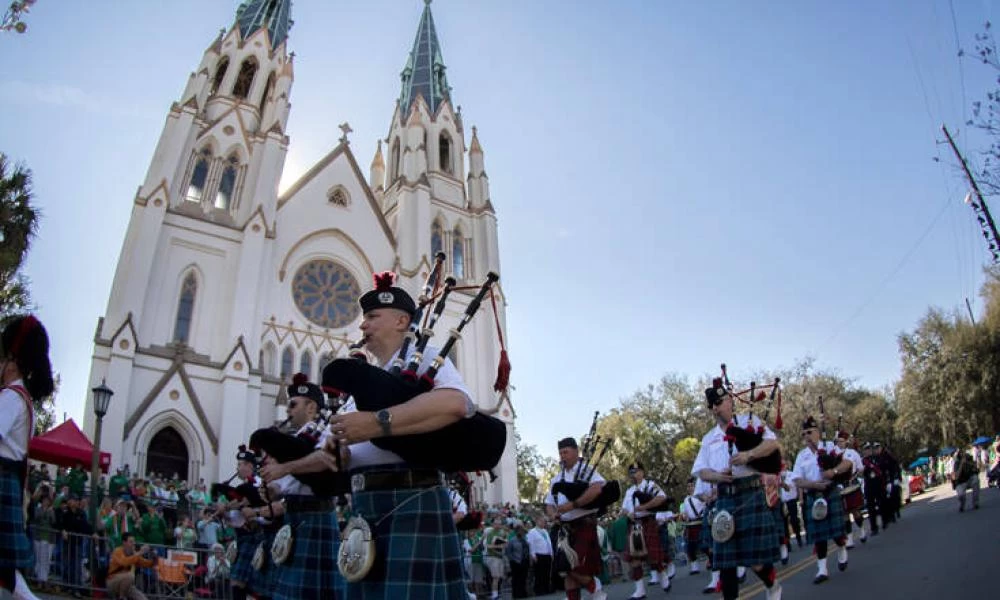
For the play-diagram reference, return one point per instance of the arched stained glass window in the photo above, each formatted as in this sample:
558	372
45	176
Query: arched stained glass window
458	253
306	364
287	360
267	356
245	79
326	293
220	74
199	175
185	309
444	153
437	238
227	185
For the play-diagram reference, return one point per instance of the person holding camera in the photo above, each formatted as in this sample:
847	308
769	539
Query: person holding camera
121	571
123	519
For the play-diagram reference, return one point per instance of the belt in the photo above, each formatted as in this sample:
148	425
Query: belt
739	485
304	504
401	479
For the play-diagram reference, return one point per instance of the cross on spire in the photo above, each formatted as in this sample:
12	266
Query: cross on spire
345	127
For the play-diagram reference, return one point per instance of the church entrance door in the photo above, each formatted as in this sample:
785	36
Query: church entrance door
167	454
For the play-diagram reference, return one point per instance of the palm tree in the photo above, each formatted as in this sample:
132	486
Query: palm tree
18	226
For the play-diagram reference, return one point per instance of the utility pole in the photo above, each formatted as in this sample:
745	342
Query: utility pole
983	212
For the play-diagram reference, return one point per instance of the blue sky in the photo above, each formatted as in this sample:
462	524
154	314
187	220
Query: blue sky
677	183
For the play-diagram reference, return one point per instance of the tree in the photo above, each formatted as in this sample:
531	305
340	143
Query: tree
530	464
18	227
12	17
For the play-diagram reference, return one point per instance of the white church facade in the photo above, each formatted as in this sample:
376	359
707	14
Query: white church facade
225	288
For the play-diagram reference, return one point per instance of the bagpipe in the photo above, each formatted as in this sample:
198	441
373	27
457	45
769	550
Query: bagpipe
749	437
285	447
827	455
470	444
591	454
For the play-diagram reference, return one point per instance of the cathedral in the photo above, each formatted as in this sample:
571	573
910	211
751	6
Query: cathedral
225	287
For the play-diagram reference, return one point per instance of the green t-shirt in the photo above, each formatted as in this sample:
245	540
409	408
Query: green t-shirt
117	486
619	534
154	529
494	539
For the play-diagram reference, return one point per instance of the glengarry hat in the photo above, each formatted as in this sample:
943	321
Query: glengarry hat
716	393
302	388
387	295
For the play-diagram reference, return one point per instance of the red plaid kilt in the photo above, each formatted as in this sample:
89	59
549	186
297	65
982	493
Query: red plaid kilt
583	539
853	500
654	550
692	534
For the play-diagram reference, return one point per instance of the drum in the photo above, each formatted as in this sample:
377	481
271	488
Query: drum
854	499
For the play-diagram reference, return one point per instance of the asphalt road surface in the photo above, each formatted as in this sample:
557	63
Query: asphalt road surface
932	552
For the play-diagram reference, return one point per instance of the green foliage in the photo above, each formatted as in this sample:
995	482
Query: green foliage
18	226
531	466
12	19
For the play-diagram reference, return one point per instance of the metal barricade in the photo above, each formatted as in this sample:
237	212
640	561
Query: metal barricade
77	564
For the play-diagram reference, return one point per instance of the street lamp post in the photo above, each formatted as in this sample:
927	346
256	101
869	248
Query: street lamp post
102	398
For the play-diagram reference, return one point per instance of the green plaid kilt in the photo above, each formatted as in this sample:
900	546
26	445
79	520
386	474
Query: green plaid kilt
779	521
755	541
310	572
15	547
830	528
417	549
265	581
705	540
246	545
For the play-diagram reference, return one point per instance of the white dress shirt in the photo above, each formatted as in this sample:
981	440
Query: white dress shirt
569	475
539	542
792	493
630	502
692	508
807	463
859	465
715	453
289	485
15	428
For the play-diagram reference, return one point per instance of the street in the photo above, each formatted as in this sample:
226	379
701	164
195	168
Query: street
932	552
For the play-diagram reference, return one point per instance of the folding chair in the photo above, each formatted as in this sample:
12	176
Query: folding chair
172	578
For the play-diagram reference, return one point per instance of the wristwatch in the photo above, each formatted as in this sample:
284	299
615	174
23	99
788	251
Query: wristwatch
384	418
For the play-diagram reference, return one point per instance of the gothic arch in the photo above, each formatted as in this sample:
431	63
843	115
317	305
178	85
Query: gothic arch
183	426
269	353
340	235
219	77
446	152
246	77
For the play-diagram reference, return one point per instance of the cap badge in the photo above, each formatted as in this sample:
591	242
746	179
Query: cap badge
303	389
386	297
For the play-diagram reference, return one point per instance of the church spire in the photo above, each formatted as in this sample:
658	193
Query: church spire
273	15
424	73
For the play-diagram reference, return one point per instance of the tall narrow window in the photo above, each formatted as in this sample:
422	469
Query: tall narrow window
306	364
324	360
458	253
395	169
444	153
267	357
245	79
220	74
267	92
287	360
199	175
185	309
437	238
224	197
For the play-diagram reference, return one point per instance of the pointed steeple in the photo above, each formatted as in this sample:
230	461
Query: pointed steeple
273	15
424	73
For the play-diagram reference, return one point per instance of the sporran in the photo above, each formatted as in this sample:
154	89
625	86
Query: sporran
723	525
281	548
820	508
357	550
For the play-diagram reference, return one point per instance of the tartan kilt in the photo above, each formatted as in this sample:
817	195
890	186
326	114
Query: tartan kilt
779	521
246	544
265	581
705	540
583	539
15	547
830	528
692	534
310	572
755	540
654	547
853	501
417	551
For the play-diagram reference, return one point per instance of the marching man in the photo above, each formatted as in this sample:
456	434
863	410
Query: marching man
640	503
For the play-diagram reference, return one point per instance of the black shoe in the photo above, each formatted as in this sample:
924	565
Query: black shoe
874	532
800	542
820	579
744	578
842	566
784	561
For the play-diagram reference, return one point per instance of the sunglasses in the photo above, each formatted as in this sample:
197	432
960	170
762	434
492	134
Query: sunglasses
807	432
292	404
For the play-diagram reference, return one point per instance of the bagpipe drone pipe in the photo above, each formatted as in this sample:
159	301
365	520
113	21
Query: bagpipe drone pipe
473	519
474	443
749	437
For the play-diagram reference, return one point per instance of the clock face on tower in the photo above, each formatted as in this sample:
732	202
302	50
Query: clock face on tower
326	293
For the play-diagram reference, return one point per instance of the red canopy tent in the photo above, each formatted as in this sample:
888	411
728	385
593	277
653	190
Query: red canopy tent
66	446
